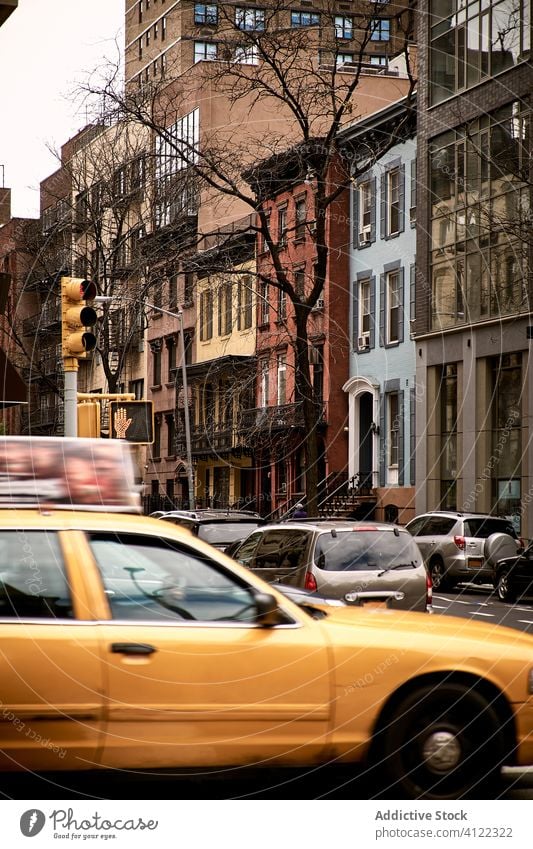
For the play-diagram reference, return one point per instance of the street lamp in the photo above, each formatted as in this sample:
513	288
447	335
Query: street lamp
104	299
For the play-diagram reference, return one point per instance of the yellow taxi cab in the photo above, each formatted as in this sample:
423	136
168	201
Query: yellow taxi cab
127	643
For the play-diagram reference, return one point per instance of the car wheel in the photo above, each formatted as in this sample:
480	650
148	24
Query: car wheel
504	588
439	578
442	742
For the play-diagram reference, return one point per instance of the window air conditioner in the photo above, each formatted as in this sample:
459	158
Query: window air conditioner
365	235
363	341
319	305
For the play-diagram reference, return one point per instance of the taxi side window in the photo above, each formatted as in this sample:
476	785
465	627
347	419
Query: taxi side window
153	579
33	583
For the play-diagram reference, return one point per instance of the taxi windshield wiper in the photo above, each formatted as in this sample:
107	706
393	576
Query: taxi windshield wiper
411	565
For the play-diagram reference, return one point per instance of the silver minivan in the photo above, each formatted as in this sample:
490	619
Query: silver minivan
338	558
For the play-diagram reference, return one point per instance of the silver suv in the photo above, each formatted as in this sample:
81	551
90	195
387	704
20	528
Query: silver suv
453	545
336	558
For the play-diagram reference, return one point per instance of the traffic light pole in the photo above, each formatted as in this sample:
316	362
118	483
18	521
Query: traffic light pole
70	366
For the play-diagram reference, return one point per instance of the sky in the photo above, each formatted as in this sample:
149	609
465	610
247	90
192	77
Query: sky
46	46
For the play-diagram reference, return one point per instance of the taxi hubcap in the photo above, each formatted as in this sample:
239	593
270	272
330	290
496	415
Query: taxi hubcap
441	751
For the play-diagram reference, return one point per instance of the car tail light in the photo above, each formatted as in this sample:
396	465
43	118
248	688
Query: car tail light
429	590
310	582
460	542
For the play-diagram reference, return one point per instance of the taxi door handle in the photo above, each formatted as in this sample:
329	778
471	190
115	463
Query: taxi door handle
132	648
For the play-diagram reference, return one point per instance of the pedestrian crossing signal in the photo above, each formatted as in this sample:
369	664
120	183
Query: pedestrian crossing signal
132	421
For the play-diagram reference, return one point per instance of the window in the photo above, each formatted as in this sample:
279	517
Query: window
282	305
250	19
225	318
304	19
120	181
156	447
206	315
171	351
137	387
205	13
171	435
138	172
380	61
364	313
140	45
393	419
507	455
470	42
448	432
247	55
343	58
245	300
317	356
32	577
204	51
282	225
151	579
264	387
343	27
163	28
393	306
393	201
188	287
282	379
299	281
172	290
264	305
365	210
301	217
156	363
476	272
380	29
155	31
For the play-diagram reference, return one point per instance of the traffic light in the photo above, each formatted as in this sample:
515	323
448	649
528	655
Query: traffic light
89	419
132	421
77	317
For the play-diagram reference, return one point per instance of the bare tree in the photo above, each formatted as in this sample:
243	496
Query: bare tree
287	90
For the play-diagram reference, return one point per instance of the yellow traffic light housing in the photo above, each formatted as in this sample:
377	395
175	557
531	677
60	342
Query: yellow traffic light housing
77	317
89	419
132	421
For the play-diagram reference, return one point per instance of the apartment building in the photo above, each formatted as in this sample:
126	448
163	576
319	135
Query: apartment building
381	387
474	270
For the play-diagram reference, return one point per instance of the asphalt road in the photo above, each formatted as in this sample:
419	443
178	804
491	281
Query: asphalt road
480	603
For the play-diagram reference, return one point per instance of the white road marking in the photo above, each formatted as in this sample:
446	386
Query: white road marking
525	621
439	606
479	613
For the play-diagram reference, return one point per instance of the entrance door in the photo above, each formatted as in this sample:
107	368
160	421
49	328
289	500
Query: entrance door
365	439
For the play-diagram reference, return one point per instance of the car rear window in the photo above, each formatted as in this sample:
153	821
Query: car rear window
483	528
365	550
225	532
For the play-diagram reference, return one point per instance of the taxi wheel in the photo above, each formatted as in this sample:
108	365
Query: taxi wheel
442	742
504	588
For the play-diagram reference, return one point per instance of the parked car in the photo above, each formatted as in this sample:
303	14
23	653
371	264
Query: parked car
335	557
514	574
217	527
453	544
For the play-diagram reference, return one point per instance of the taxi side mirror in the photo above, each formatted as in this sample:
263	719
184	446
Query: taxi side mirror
267	614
